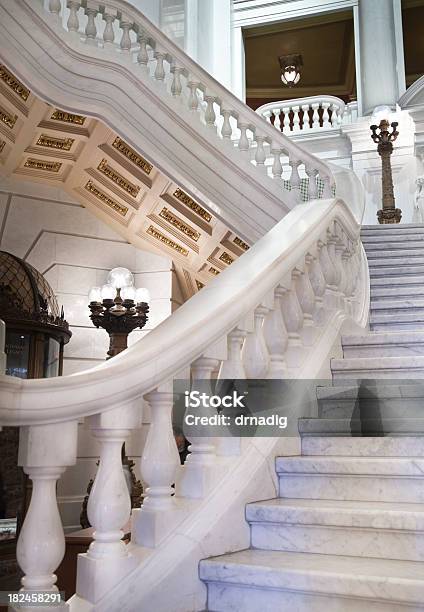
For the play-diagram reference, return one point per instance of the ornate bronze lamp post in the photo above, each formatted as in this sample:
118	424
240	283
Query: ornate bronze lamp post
119	308
389	213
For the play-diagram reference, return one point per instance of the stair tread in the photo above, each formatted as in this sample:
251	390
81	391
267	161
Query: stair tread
318	465
376	338
377	362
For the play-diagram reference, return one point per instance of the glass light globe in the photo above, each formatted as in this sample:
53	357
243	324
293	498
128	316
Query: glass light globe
128	293
95	294
381	112
142	295
108	292
120	277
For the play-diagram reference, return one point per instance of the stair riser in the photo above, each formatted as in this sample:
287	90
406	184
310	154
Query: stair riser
413	282
363	447
378	308
380	256
354	488
398	293
401	261
224	597
371	409
329	540
394	271
383	326
383	350
395	242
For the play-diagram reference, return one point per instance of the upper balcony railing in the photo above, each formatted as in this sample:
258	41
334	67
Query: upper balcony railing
308	114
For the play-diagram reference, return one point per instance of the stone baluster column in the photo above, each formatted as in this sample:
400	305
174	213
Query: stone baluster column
318	284
276	337
92	8
293	319
73	20
306	297
255	352
109	16
315	116
296	118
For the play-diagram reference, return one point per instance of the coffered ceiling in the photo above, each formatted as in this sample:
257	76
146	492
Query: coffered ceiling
95	166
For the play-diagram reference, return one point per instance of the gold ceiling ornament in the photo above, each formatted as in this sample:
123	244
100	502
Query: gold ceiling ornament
199	285
132	155
239	242
117	178
179	224
14	84
152	231
183	197
213	271
65	117
51	142
7	118
2	145
40	164
226	258
105	199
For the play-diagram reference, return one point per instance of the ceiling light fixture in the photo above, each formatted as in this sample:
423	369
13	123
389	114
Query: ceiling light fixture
290	68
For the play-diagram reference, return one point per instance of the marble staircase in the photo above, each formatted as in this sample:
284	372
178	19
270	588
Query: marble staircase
346	533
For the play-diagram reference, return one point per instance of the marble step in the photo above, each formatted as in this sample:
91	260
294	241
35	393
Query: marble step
404	446
393	239
413	305
271	581
402	228
396	269
380	479
358	529
378	344
398	282
381	256
400	260
397	321
403	291
369	368
364	422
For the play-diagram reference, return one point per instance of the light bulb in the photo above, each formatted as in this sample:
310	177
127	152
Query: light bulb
128	293
95	294
120	277
142	295
108	292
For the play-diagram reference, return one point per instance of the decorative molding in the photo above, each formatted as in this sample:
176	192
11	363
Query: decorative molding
199	285
118	179
14	84
239	242
152	231
183	197
7	118
132	155
179	224
214	271
51	142
65	117
103	197
39	164
226	258
2	145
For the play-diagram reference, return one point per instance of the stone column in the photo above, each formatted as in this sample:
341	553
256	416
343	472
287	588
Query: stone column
381	73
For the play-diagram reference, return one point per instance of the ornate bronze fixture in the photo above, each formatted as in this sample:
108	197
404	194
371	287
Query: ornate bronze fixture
389	213
290	68
119	308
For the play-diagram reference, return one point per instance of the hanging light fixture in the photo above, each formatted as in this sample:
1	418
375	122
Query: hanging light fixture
290	68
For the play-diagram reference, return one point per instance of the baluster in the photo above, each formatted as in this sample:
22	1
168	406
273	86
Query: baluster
159	73
267	115
334	116
306	297
277	123
315	116
255	352
296	118
325	116
327	186
125	43
233	366
243	143
312	183
91	28
305	123
73	20
176	86
109	33
276	337
334	257
193	100
286	127
143	56
293	319
295	178
226	130
44	452
55	7
318	284
329	272
158	467
210	115
277	168
260	155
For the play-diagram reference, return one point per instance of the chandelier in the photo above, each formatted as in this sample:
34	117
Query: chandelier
290	68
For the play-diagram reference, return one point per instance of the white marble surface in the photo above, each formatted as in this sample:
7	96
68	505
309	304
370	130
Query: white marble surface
404	446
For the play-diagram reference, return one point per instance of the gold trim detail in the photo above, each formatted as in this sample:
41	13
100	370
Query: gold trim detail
239	242
39	164
226	258
213	271
2	145
194	206
103	197
64	144
165	240
65	117
8	119
199	285
179	224
117	178
13	83
134	157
